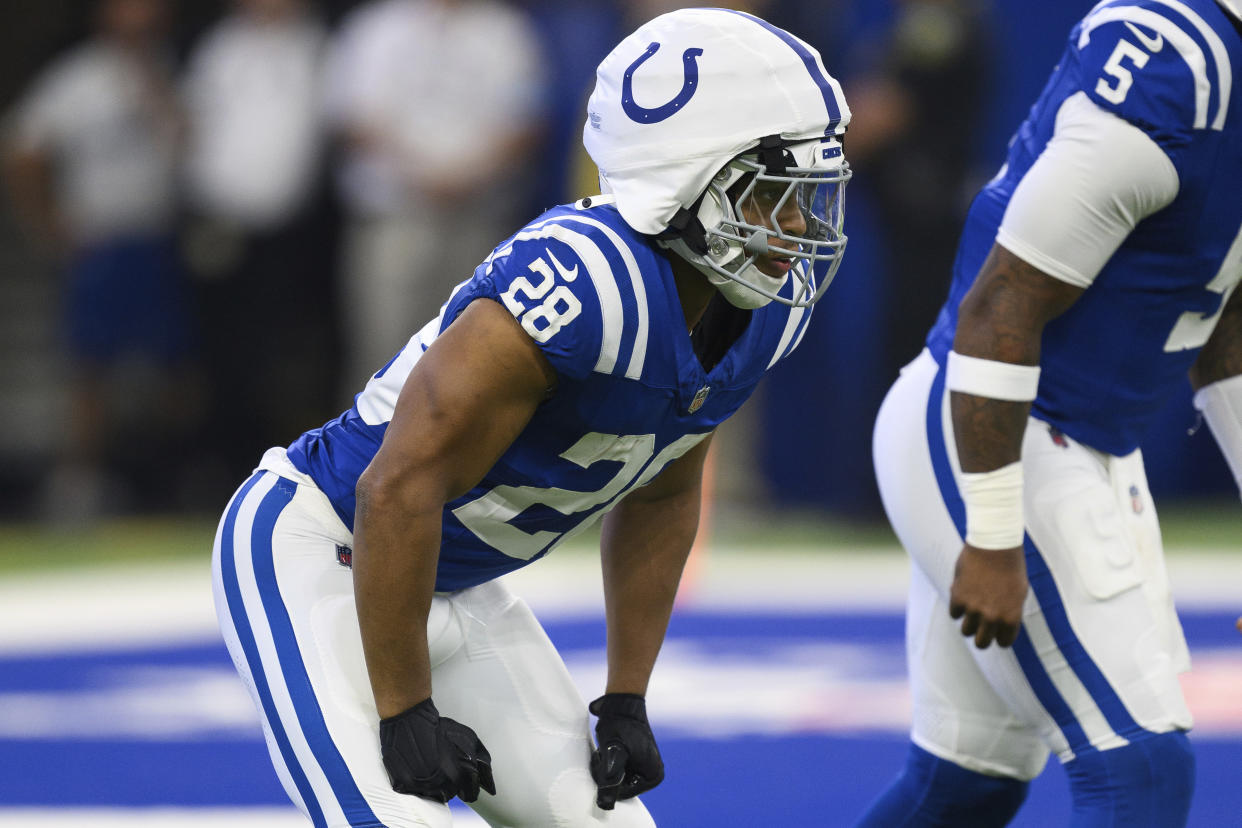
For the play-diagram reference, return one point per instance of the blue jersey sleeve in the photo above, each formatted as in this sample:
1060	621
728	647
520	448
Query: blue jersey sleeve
1153	66
559	284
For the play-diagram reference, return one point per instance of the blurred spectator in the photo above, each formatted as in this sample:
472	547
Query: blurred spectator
912	145
89	157
439	105
260	234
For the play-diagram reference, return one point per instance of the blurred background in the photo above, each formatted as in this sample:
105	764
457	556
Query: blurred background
221	217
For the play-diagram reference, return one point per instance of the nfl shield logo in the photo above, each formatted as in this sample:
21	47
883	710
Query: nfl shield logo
697	402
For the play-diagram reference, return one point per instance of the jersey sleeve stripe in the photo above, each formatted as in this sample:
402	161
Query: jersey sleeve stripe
829	88
794	328
1184	43
803	327
638	356
610	297
593	258
1224	70
605	288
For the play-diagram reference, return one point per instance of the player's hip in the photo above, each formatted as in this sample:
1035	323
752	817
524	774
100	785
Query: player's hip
1074	495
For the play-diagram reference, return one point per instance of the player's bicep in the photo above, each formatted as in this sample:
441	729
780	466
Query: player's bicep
463	404
1004	313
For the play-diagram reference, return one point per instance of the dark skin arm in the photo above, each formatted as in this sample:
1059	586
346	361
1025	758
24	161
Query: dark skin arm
1001	318
466	400
1221	357
646	539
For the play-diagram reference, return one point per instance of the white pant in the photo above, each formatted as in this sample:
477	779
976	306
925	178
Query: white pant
1097	660
286	609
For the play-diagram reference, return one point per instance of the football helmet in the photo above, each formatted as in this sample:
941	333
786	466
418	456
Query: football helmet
698	111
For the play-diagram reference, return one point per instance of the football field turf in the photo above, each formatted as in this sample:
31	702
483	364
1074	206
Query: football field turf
779	699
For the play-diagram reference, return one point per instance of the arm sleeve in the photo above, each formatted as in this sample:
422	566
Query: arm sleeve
1098	177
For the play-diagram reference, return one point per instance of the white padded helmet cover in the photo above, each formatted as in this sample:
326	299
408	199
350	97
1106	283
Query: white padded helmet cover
686	93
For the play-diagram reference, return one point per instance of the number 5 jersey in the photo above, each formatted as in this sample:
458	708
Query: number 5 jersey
1156	239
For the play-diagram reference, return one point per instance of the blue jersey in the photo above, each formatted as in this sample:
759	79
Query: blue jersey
600	301
1116	356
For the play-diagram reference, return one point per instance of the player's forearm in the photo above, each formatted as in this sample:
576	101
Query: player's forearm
396	547
644	550
1001	321
993	325
988	432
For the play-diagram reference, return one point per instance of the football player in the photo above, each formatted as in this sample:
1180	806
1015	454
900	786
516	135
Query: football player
1095	271
577	375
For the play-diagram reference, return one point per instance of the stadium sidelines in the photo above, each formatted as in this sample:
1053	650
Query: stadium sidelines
120	605
789	649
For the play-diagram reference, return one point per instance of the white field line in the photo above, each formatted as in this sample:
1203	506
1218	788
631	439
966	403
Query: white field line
176	818
133	605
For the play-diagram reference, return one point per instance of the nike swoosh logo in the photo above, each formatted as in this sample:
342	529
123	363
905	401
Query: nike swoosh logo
567	275
1151	44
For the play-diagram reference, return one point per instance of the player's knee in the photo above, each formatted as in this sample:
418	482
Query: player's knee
571	803
1148	782
933	792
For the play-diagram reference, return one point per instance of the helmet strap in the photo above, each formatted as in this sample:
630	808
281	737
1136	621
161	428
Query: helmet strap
773	155
686	226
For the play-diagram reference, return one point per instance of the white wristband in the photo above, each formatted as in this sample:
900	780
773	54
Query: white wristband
1221	404
993	507
990	378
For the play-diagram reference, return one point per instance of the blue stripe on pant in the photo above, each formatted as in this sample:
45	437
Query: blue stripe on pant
1049	599
306	706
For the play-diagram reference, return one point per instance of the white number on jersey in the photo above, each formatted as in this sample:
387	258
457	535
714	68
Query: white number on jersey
1193	328
557	306
1123	77
488	515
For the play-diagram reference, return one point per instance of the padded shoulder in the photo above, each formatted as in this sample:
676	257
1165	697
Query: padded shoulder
1160	65
576	285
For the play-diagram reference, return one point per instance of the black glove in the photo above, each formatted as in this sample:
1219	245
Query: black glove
434	757
627	761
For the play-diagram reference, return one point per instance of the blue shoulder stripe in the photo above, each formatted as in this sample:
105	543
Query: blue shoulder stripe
614	342
828	86
638	354
795	327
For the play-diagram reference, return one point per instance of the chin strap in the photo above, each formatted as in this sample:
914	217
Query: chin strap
686	226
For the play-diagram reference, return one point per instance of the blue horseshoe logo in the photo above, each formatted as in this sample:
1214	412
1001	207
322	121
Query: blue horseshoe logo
689	86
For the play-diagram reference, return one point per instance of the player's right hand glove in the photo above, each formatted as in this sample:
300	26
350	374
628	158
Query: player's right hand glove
627	761
434	757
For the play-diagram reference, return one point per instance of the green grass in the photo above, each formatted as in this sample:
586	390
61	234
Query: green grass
1211	524
1215	525
33	546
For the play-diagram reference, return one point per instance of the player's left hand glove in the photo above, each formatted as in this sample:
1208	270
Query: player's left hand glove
627	761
